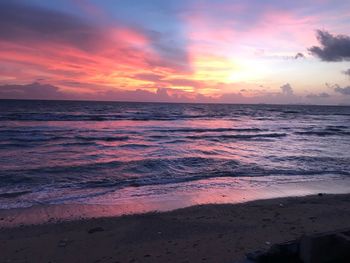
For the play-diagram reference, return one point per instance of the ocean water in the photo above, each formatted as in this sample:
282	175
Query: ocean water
54	152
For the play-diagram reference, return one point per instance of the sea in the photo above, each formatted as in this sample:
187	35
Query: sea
68	152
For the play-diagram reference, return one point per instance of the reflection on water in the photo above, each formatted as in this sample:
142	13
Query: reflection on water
79	152
133	200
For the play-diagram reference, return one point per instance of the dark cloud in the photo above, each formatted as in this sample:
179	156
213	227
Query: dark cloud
299	55
344	91
333	48
31	91
140	95
163	94
21	22
346	72
35	26
287	89
322	95
173	54
149	77
49	92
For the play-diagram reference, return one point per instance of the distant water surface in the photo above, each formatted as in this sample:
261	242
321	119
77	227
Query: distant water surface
66	152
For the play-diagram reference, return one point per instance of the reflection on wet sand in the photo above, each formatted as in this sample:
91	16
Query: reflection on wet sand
133	200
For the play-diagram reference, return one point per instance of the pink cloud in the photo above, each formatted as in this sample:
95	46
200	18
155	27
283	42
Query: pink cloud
113	60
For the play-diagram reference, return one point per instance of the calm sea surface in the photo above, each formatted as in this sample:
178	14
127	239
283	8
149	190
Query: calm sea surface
59	152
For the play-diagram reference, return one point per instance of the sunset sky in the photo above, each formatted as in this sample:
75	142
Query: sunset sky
176	50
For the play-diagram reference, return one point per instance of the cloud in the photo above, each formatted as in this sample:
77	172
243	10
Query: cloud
287	89
31	91
333	48
285	96
322	95
234	98
60	46
343	91
174	55
42	91
172	46
24	23
21	22
346	72
299	55
184	82
149	77
142	95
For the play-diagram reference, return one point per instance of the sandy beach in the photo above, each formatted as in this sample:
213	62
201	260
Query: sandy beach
206	233
174	131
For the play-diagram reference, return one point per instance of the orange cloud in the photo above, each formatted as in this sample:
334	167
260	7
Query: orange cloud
223	48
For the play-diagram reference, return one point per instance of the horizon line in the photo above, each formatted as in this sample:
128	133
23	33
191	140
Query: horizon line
168	102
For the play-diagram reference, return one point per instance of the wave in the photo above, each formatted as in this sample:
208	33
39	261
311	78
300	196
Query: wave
29	130
40	152
60	117
239	136
202	130
291	112
13	194
324	133
68	144
325	160
10	145
102	117
121	169
37	138
223	136
135	146
104	111
170	117
28	141
142	172
103	138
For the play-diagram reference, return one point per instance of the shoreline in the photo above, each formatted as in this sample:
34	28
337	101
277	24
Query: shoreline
204	233
141	200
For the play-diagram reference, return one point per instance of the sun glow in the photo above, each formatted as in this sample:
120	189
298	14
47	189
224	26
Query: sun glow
250	71
214	69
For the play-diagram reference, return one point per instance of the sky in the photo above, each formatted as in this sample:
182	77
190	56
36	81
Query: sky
223	51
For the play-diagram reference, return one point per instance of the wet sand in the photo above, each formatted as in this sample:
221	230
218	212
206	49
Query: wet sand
206	233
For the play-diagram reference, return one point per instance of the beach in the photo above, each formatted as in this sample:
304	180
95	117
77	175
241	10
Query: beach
205	233
174	131
141	182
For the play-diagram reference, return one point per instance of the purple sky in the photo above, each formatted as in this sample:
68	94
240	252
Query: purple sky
177	51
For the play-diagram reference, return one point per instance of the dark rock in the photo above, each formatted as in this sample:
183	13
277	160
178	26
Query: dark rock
62	243
322	248
95	229
317	248
285	252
